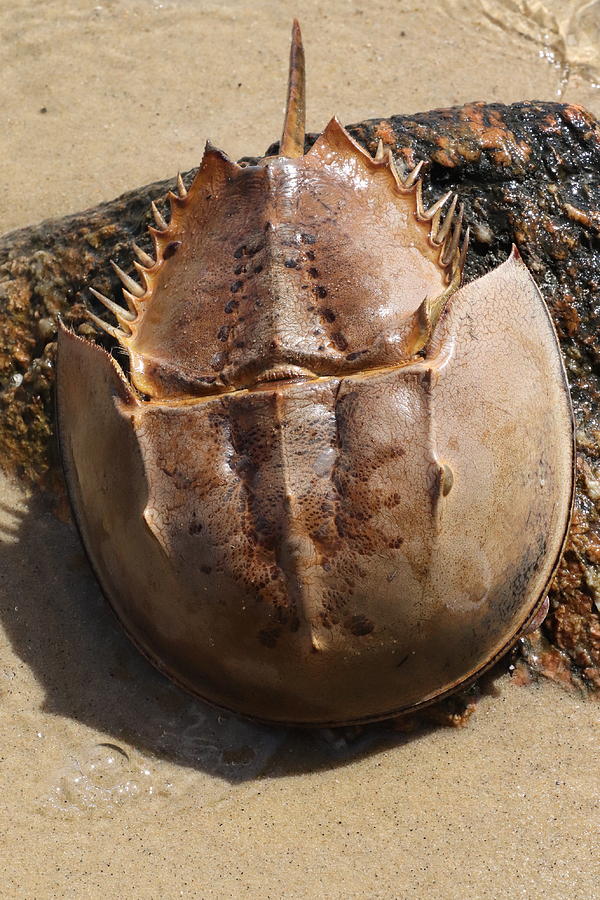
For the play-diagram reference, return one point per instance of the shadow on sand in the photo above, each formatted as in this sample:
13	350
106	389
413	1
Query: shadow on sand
60	626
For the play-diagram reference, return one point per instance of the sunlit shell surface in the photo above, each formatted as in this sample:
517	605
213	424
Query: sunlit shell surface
337	484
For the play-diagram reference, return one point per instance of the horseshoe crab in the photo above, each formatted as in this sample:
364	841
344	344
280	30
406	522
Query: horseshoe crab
336	482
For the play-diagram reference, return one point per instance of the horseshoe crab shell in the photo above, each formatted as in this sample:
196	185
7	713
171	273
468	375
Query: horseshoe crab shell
335	484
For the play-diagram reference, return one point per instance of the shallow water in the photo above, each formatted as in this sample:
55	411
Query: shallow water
114	782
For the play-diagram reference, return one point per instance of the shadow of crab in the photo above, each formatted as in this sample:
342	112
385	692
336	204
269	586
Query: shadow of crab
60	626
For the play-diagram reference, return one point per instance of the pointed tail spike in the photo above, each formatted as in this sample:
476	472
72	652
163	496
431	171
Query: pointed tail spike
292	139
380	152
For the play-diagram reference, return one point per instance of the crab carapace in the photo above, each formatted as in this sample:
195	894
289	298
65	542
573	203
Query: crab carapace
336	482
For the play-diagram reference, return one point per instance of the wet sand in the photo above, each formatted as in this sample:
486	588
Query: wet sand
114	782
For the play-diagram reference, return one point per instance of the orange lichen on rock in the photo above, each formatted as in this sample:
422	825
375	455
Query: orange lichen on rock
386	133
